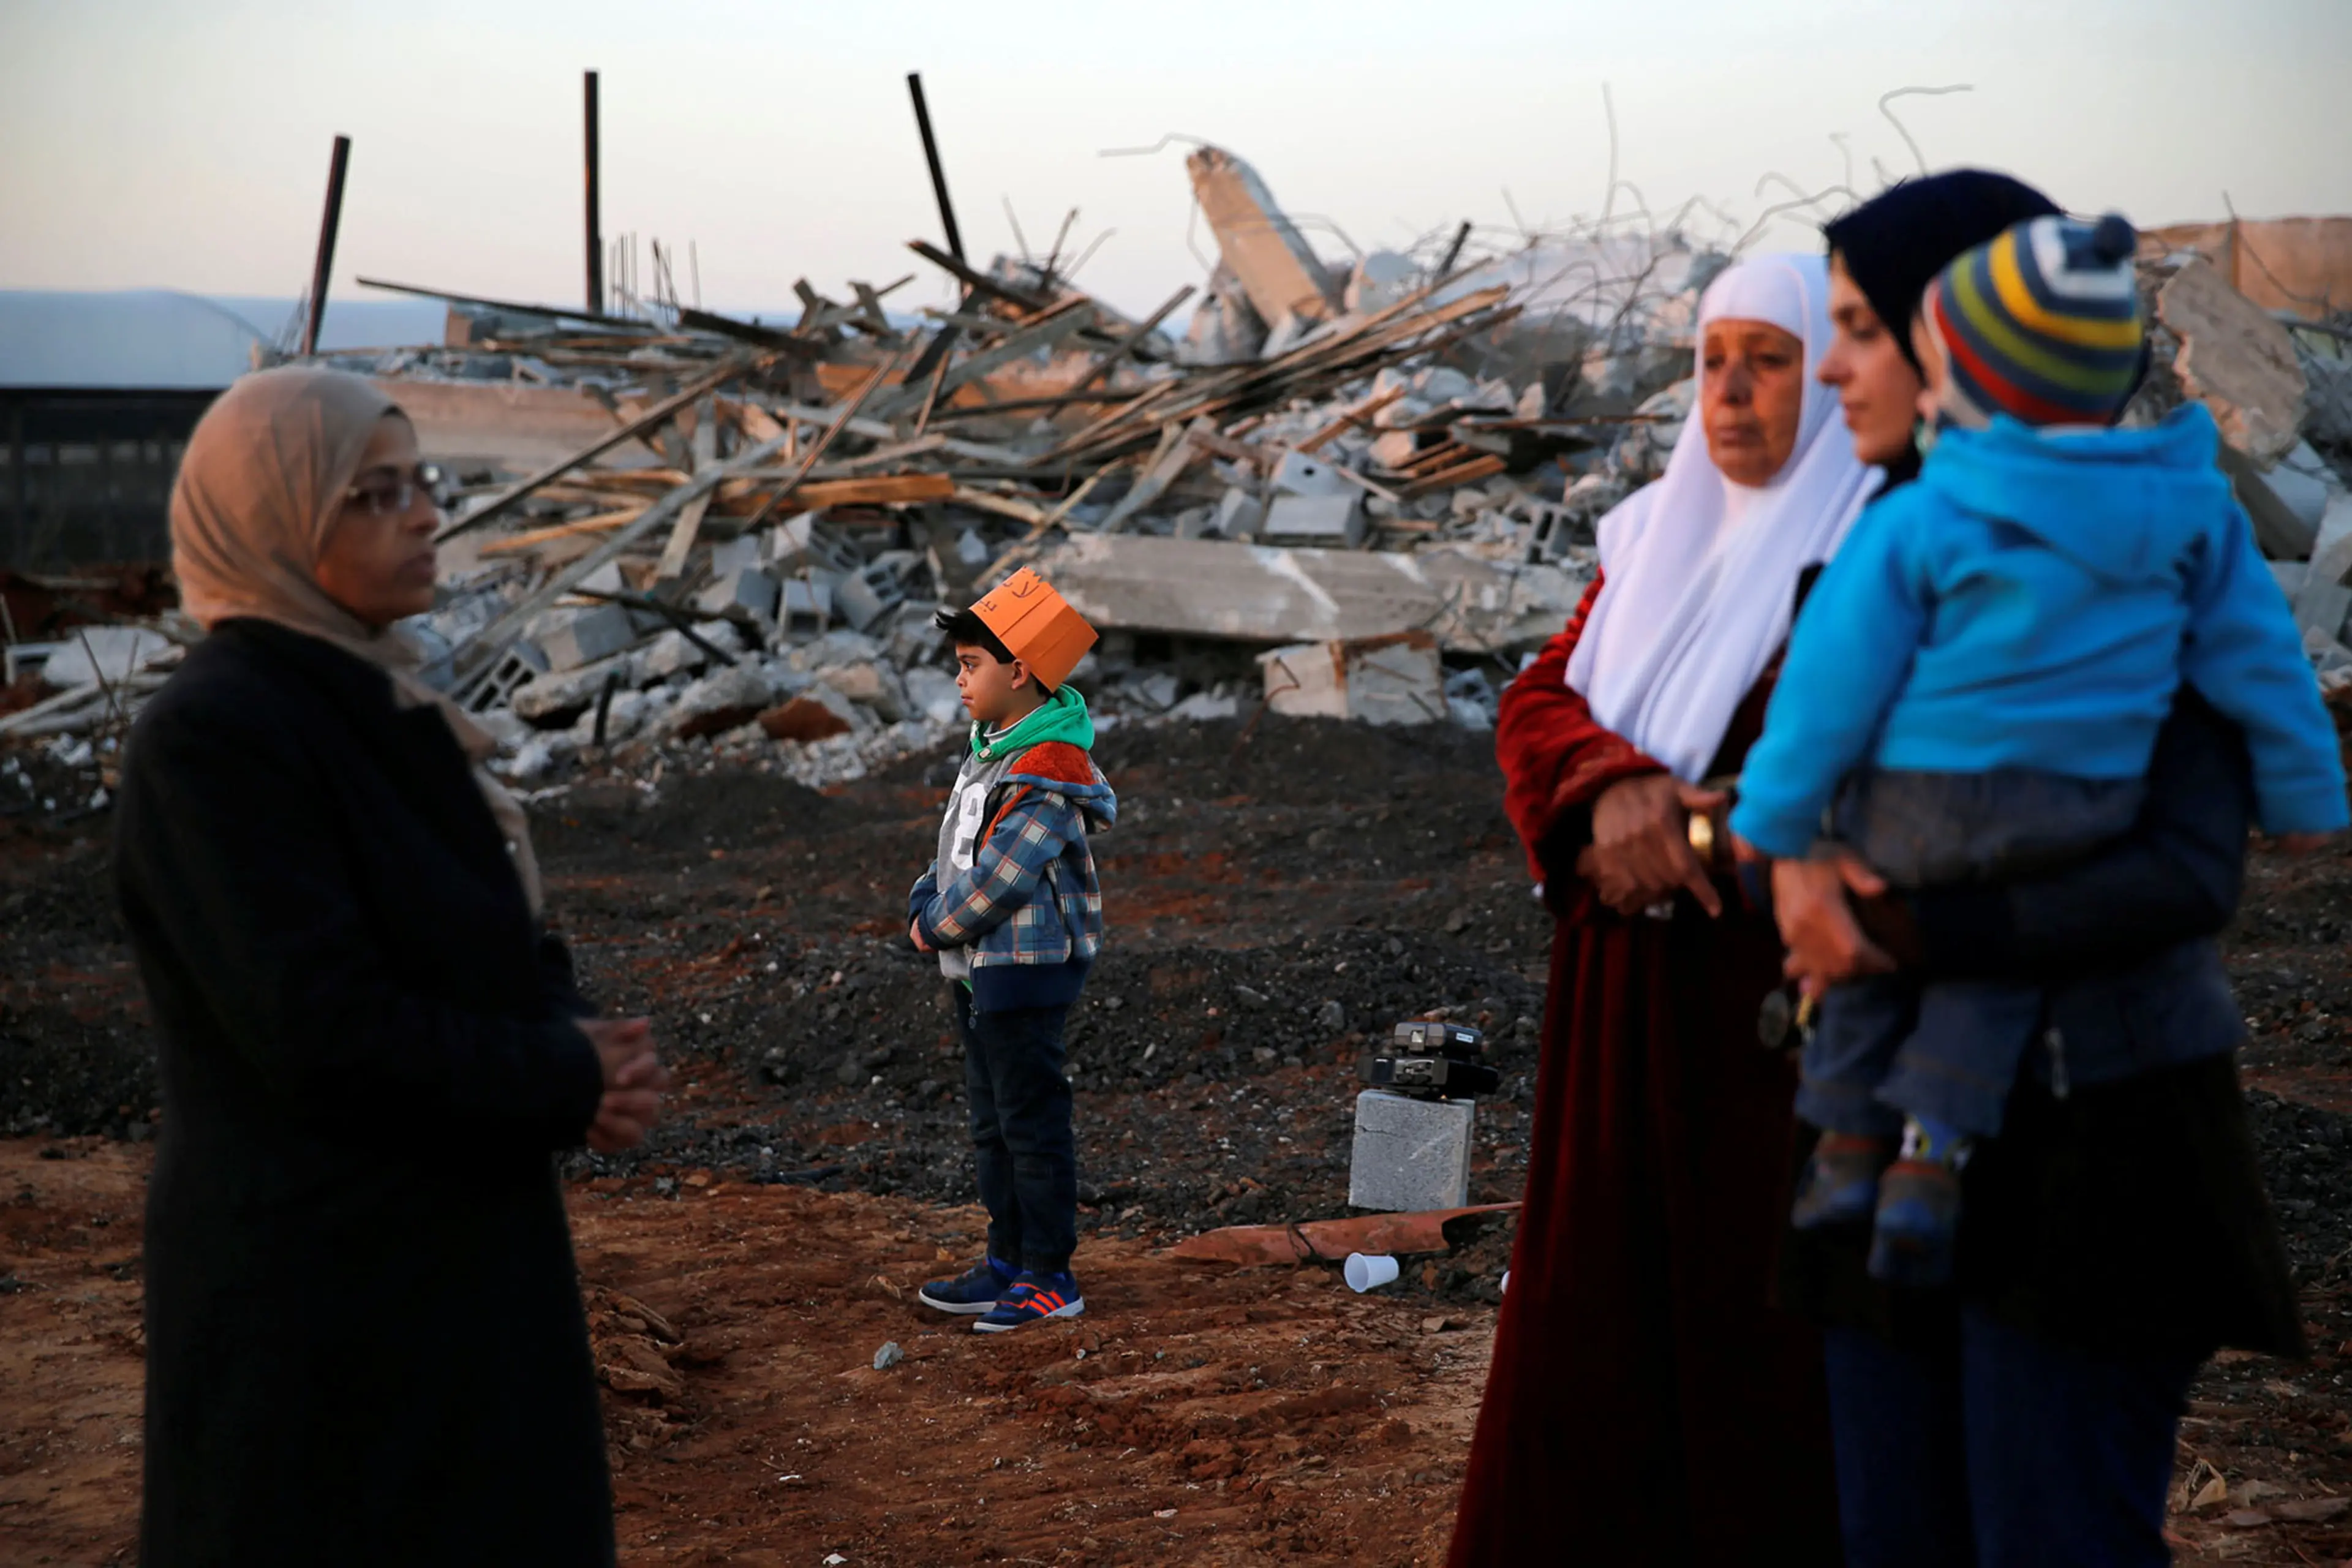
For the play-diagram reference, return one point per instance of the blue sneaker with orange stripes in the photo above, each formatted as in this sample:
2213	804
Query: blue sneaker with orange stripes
1033	1298
975	1289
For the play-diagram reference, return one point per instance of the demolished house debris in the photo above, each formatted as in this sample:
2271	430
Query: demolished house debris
1361	490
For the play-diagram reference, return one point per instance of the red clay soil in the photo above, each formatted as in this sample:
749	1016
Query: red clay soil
1191	1416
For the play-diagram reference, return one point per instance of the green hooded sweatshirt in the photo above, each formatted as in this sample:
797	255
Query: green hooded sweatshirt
1062	717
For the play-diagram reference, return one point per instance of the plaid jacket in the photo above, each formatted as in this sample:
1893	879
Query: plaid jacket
1028	911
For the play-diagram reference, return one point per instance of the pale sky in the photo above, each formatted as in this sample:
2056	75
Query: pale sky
171	144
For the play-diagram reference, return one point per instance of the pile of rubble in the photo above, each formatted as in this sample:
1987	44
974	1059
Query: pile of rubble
1361	490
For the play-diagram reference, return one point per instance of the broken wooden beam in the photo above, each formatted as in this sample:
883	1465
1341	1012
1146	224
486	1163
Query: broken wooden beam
972	277
652	417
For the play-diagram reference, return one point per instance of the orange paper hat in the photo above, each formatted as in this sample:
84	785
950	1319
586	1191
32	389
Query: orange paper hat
1036	625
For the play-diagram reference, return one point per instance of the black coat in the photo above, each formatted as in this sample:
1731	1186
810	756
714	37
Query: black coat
364	1334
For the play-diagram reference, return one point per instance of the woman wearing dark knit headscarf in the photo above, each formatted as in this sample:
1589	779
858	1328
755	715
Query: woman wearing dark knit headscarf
364	1334
2028	1412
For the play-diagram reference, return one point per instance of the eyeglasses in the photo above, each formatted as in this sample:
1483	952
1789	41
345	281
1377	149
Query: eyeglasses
388	492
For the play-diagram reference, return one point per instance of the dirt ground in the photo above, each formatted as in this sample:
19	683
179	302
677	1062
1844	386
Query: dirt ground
1277	894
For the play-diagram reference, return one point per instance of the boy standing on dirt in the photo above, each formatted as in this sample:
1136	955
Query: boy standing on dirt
1012	907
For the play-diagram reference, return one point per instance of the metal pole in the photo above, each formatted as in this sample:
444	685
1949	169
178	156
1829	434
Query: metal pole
931	156
1453	251
595	223
327	227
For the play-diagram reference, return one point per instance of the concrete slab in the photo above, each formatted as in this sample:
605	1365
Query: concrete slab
1393	679
1205	588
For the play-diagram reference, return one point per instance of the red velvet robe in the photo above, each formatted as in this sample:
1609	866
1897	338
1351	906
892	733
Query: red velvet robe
1647	1402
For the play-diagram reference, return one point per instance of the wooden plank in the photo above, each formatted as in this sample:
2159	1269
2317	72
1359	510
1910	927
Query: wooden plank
878	489
1177	453
1356	478
651	418
1351	352
530	539
974	279
1462	474
704	452
1359	415
869	305
1045	332
1036	516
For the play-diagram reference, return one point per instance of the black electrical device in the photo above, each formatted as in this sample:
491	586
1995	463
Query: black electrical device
1431	1061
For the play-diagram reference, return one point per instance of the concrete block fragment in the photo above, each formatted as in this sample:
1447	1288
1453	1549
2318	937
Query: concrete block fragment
2321	609
587	636
745	594
804	541
1298	475
1203	707
518	666
2236	360
1393	679
2328	656
1277	268
1379	280
864	596
553	700
718	702
932	692
1325	522
1410	1154
1239	515
2331	549
88	654
806	605
874	685
672	653
732	556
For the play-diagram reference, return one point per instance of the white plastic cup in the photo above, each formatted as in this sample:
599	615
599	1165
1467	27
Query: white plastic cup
1506	1284
1369	1271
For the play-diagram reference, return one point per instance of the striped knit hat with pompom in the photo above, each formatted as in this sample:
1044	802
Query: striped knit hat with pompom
2042	324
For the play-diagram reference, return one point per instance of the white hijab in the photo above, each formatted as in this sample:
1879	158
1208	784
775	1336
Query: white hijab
1699	575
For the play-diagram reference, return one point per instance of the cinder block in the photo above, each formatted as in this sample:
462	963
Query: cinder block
1410	1154
1328	522
1240	515
745	592
517	668
864	597
808	603
1296	474
588	636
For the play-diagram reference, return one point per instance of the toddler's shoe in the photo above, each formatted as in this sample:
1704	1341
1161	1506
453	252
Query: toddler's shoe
1034	1298
974	1290
1920	1207
1841	1181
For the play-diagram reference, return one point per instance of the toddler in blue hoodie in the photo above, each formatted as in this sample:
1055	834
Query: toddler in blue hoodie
1974	689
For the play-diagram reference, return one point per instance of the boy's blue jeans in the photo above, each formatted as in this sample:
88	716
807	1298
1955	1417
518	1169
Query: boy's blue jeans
1022	1140
1887	1046
2002	1450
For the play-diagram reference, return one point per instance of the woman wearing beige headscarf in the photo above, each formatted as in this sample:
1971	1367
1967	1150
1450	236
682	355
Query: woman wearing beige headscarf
365	1342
